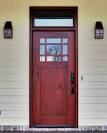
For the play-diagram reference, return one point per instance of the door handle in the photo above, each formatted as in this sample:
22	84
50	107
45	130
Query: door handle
72	83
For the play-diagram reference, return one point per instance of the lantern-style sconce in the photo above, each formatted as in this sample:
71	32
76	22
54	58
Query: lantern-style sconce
99	30
8	30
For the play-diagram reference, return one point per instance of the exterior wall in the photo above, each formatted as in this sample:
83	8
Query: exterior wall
14	61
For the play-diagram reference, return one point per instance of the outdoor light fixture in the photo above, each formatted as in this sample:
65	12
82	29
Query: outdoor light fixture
99	31
8	30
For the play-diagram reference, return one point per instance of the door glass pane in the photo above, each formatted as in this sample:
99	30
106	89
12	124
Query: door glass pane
53	22
65	40
54	49
65	58
53	40
42	49
65	49
50	58
53	58
42	58
42	40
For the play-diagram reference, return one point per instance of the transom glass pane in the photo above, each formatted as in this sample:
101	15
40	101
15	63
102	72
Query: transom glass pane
53	22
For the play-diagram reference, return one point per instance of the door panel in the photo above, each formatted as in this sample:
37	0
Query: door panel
53	63
55	85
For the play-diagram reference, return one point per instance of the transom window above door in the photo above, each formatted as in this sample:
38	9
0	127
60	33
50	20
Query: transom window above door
53	49
52	22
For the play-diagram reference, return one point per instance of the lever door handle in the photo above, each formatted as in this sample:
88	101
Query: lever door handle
73	89
72	83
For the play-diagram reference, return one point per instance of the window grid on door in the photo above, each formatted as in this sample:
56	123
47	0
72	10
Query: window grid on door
53	49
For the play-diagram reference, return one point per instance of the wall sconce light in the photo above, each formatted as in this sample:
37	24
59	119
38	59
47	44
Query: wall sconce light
99	30
8	30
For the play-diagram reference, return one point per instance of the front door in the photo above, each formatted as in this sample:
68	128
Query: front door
53	78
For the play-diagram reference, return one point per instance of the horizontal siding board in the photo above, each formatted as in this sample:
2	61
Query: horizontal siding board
93	47
86	99
93	85
12	85
93	70
93	114
12	92
93	92
14	99
14	114
14	121
95	122
93	63
12	55
93	107
15	106
13	62
93	56
8	46
14	70
15	77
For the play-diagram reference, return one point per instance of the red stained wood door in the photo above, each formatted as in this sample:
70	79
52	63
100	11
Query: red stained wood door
53	63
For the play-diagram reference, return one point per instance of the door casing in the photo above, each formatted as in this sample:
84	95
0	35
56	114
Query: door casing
46	12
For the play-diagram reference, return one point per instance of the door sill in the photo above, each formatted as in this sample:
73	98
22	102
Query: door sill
54	126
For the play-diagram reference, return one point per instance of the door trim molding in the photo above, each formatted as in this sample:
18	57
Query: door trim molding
36	11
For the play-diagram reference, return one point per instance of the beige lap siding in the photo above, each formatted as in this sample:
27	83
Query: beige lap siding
93	87
14	64
14	93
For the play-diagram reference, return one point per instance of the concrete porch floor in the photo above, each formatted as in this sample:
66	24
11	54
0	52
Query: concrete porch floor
53	132
26	129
